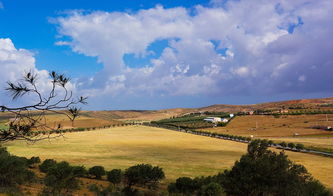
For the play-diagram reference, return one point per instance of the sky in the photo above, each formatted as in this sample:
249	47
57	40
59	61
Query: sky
154	54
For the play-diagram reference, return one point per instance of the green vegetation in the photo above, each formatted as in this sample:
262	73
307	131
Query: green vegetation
258	172
60	180
144	175
97	172
190	121
277	175
13	171
114	176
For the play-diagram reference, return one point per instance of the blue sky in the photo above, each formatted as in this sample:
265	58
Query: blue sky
162	54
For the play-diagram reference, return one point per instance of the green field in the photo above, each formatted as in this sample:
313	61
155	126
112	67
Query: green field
180	154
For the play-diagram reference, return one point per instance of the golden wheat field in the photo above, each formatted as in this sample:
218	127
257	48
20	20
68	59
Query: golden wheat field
270	126
179	154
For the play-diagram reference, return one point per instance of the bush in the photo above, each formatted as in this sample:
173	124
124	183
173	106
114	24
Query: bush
60	179
33	161
13	170
212	189
299	146
80	171
143	174
291	145
185	185
114	176
97	171
47	163
283	144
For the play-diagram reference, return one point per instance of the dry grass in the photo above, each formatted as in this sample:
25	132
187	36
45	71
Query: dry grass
180	154
270	126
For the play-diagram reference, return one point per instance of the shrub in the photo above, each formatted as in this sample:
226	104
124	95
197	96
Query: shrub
80	171
47	163
212	189
13	170
299	146
97	171
143	174
291	145
185	185
283	144
60	179
114	176
33	161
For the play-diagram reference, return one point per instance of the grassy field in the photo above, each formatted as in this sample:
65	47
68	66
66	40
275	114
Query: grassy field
180	154
270	126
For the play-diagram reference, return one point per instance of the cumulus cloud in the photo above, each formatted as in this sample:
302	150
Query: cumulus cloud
231	47
14	63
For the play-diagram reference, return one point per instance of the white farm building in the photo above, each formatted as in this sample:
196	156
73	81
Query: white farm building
216	119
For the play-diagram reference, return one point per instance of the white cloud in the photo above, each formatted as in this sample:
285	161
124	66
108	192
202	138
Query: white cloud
1	6
14	63
253	33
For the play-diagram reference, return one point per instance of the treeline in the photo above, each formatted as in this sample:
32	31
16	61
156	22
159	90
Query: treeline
282	145
63	179
80	129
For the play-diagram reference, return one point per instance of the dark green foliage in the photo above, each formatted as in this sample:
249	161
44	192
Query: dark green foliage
100	191
185	185
189	186
283	144
60	179
47	163
212	189
263	172
143	174
299	146
114	176
291	145
80	171
33	161
97	171
13	170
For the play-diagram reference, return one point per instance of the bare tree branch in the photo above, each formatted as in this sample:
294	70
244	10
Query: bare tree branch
29	120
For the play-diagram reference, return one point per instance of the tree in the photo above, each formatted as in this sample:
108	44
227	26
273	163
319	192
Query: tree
31	117
80	171
283	144
212	189
291	145
97	171
264	172
114	176
60	179
185	185
33	161
299	146
46	165
143	174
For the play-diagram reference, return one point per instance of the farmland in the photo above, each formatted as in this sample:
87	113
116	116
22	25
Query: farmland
271	126
178	153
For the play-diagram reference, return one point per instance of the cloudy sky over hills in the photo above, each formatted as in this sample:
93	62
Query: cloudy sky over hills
161	54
